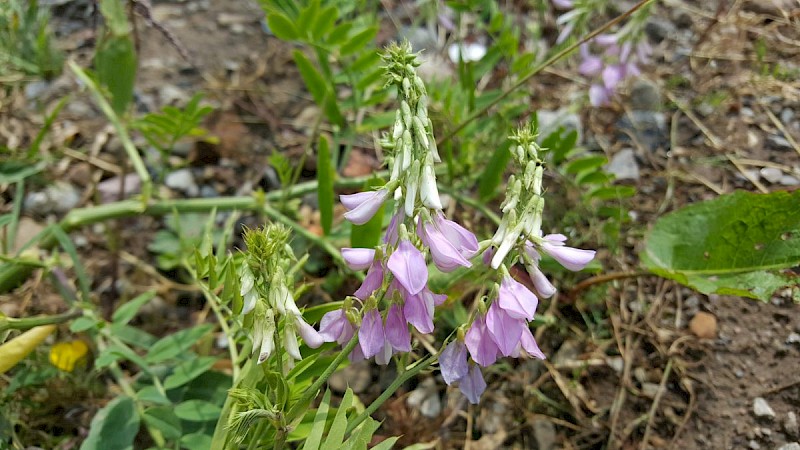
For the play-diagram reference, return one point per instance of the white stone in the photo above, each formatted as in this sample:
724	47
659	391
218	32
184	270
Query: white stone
762	409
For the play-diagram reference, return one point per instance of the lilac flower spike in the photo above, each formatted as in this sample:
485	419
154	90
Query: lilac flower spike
473	385
480	344
571	258
516	300
408	267
505	330
453	362
335	327
362	206
371	336
358	258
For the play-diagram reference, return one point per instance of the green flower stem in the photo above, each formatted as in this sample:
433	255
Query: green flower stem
122	133
13	273
552	60
301	405
8	323
402	378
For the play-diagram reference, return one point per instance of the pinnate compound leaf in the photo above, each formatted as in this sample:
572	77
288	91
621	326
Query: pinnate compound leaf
114	427
320	89
736	244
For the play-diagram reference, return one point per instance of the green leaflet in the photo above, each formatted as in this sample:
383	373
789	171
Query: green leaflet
735	244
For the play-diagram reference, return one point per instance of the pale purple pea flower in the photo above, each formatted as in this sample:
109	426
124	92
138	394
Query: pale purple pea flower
418	309
453	362
505	330
371	335
396	330
591	64
383	357
391	231
528	344
571	258
473	385
358	258
480	344
362	206
563	4
334	326
408	267
371	282
612	75
516	299
356	355
443	252
599	95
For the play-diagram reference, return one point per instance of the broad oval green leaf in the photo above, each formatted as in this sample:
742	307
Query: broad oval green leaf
114	427
717	246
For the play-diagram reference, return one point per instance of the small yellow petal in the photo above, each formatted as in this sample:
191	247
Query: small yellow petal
65	355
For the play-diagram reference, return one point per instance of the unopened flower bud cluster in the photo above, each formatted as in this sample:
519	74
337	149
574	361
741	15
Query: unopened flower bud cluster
266	294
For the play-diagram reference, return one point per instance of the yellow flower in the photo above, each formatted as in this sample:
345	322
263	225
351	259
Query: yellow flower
66	355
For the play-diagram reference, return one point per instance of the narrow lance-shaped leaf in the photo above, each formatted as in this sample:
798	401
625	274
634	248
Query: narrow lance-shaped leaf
320	89
325	178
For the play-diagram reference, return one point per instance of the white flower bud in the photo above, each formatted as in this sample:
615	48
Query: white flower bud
433	149
397	131
412	185
406	87
419	131
290	340
537	180
429	193
405	110
267	334
408	151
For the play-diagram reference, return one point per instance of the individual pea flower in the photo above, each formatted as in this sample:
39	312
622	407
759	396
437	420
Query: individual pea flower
473	385
573	259
363	205
451	244
455	368
418	308
372	281
336	327
516	300
543	287
480	343
358	258
371	334
453	361
408	266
